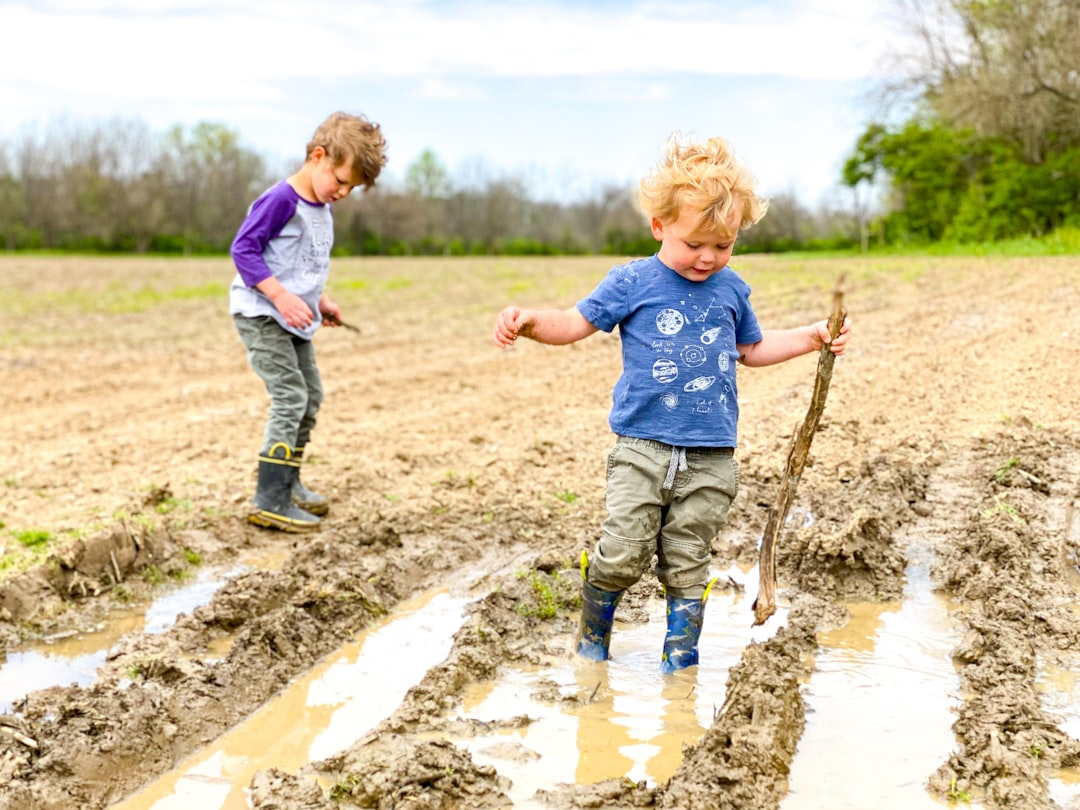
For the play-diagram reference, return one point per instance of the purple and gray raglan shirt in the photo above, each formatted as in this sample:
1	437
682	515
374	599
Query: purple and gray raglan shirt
287	237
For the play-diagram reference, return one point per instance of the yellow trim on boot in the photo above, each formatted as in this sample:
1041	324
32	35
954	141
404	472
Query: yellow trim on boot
287	460
272	520
705	596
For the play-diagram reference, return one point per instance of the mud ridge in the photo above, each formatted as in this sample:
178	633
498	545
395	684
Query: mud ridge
88	746
741	763
1007	565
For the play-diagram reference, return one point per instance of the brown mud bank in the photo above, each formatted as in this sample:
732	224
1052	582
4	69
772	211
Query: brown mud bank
949	435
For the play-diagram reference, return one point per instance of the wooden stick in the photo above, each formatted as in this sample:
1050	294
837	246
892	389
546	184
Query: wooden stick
765	604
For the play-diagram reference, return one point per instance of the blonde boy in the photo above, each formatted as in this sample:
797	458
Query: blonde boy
278	300
685	321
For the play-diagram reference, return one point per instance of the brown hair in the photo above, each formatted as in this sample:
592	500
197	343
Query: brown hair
704	177
355	140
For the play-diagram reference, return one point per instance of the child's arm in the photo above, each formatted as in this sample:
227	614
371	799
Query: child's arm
556	327
292	307
778	345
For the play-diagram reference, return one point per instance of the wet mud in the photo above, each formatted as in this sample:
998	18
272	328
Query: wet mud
949	442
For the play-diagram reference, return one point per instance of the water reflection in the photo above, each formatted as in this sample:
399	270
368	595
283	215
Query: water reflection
879	705
73	660
319	714
631	721
1057	685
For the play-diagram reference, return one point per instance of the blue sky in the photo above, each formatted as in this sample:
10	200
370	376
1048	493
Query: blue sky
569	95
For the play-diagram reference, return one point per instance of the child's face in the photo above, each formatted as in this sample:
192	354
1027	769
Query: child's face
330	183
695	255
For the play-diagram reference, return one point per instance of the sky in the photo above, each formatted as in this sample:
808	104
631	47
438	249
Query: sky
570	95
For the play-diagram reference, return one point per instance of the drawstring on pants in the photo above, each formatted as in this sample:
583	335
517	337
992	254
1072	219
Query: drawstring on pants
678	463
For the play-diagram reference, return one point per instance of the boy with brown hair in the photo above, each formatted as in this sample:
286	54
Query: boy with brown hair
685	321
278	300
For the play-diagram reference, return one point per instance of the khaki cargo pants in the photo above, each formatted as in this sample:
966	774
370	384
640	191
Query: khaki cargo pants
667	501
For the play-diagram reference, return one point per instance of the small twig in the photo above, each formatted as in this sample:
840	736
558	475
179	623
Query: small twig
116	568
338	322
29	742
1033	479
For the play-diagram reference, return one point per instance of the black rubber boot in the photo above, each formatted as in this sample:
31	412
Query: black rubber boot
303	497
274	508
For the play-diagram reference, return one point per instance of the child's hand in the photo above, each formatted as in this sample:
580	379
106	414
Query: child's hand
508	326
296	313
820	336
330	311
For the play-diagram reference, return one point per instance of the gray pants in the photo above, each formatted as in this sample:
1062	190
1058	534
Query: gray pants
286	364
666	501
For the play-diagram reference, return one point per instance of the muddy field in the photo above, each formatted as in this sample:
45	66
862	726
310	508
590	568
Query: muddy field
133	423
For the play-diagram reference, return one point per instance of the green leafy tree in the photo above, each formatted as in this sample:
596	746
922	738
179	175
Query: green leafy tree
427	177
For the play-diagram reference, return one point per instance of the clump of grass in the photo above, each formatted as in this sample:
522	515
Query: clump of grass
956	795
546	603
1004	472
344	787
1003	509
32	538
152	574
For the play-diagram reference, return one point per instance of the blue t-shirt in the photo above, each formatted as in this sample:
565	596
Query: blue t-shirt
289	238
678	349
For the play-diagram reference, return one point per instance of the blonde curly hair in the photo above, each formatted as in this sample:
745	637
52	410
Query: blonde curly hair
704	177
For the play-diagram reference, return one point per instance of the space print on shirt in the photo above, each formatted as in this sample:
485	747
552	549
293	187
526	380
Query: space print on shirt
316	260
693	366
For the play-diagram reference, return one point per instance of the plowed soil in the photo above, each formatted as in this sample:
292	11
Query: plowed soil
133	424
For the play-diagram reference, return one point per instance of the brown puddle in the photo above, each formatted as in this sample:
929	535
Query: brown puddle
74	659
317	715
631	721
1057	685
879	705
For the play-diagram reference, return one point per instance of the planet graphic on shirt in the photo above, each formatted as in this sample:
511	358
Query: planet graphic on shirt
664	370
669	321
724	362
699	384
669	400
693	356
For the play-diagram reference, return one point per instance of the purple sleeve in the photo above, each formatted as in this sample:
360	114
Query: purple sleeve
264	221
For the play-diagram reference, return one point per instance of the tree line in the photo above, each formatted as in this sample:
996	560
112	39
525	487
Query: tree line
118	187
988	149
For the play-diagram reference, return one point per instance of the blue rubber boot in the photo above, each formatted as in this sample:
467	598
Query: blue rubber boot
684	619
597	614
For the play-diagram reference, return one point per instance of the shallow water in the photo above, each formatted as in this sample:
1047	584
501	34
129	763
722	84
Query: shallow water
631	721
879	705
74	659
880	701
1057	684
319	714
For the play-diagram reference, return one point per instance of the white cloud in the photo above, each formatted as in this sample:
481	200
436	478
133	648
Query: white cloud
517	84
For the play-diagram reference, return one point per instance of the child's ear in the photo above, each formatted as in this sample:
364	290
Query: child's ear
657	229
317	154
